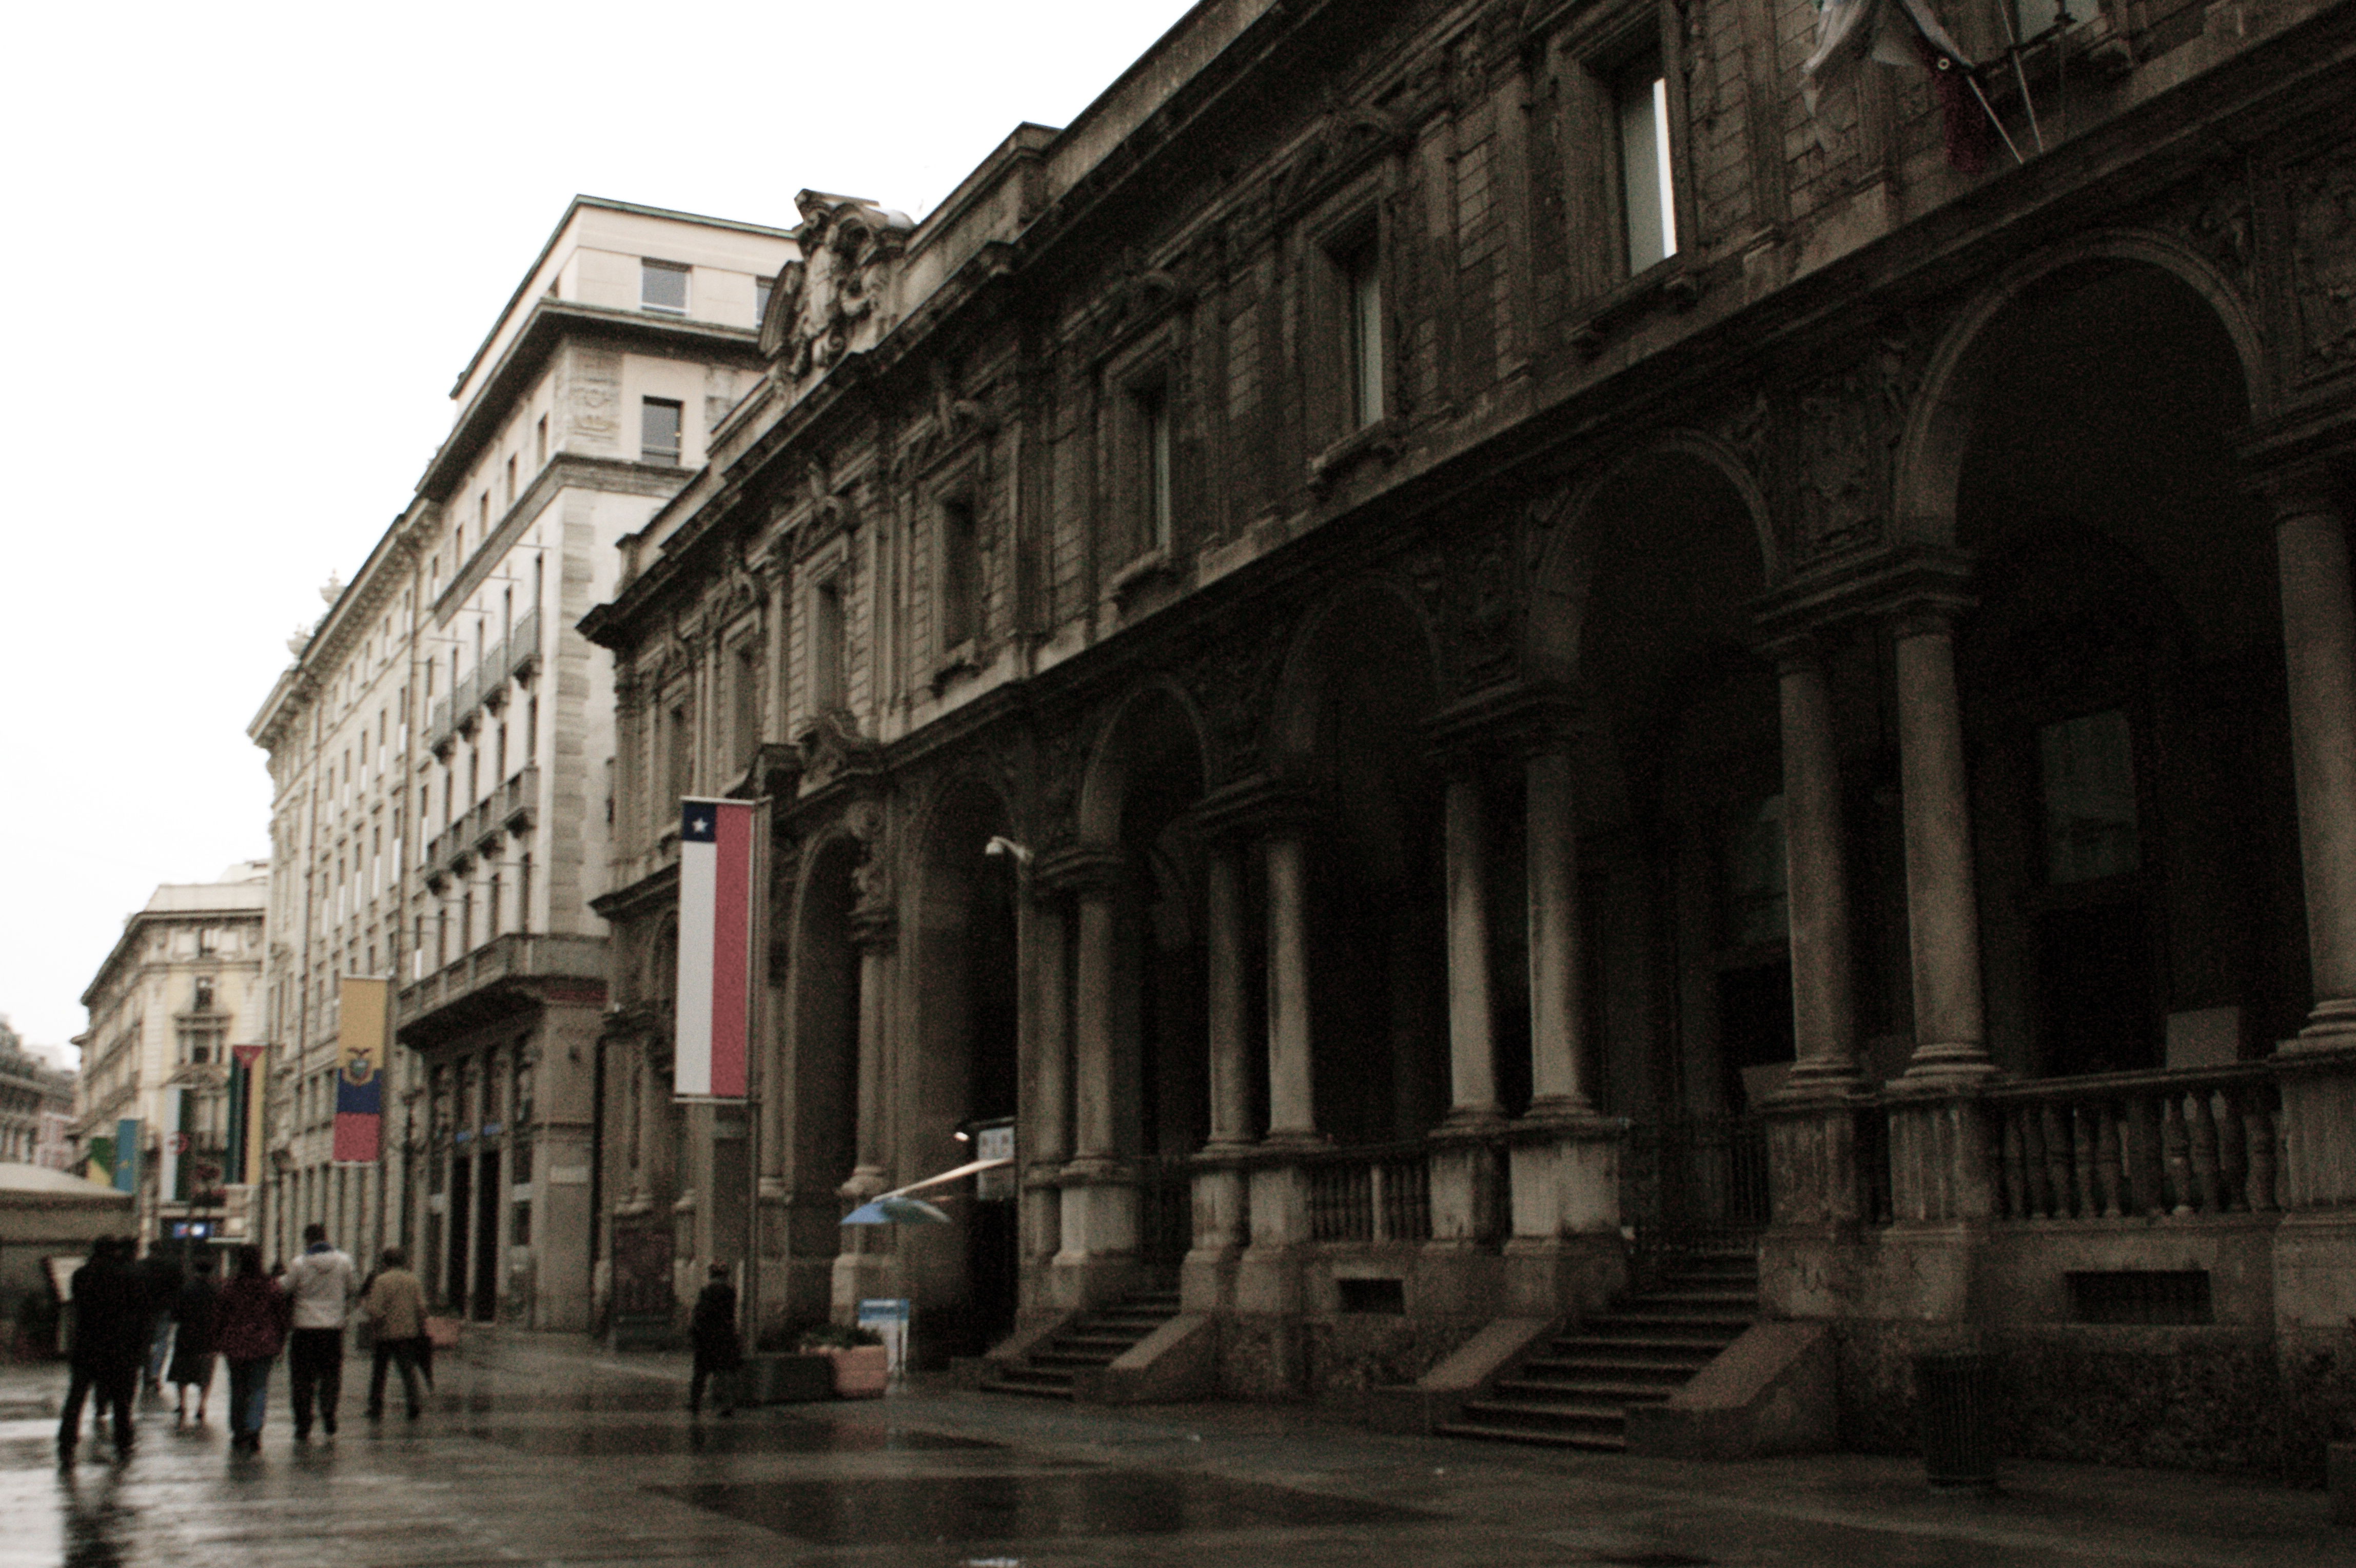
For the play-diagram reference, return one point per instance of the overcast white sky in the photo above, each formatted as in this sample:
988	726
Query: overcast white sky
251	245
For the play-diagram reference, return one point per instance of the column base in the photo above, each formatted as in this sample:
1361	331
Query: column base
1958	1061
2331	1028
1552	1276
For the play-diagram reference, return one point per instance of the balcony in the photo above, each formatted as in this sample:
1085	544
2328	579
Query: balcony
491	677
516	973
523	646
518	800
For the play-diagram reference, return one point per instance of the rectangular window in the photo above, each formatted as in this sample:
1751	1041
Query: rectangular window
1756	900
827	650
658	426
662	286
1647	194
745	694
2087	767
762	288
960	574
1156	499
682	756
539	442
511	465
1361	269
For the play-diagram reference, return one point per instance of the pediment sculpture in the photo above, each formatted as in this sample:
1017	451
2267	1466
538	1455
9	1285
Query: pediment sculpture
824	305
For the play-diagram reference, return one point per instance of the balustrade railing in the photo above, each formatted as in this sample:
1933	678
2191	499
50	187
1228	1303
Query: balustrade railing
1361	1195
1698	1175
2120	1144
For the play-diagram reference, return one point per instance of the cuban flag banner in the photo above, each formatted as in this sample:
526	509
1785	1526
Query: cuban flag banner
360	1076
715	947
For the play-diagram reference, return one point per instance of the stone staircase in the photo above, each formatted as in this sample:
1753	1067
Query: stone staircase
1092	1340
1575	1394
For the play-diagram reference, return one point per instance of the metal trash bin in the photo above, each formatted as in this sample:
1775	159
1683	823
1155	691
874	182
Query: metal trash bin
1955	1404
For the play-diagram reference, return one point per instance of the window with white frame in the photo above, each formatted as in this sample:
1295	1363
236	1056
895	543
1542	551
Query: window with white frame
1648	206
662	287
660	420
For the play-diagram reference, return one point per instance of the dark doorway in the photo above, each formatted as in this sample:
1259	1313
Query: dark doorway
485	1299
461	1187
2096	1008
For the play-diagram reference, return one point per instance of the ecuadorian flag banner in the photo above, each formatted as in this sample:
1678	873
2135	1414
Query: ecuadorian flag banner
715	948
359	1078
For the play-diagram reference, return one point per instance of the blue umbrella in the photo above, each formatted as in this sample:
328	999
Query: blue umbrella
893	1209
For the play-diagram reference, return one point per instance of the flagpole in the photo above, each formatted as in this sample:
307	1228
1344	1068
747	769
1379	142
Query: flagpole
1980	93
756	976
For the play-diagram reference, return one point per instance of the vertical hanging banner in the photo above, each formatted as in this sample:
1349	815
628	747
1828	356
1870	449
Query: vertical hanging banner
245	1115
172	1170
126	1155
360	1076
715	947
98	1160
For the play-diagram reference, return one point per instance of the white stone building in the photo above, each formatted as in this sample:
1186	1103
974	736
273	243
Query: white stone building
441	752
179	989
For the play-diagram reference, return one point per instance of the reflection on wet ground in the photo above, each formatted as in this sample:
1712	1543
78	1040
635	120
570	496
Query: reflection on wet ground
755	1436
1026	1507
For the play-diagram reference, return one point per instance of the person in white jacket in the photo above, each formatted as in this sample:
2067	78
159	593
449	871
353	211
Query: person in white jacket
320	1284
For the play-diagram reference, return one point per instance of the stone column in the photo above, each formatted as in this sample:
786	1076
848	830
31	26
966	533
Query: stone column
1098	1210
1822	1016
1044	1140
1472	1044
1206	1281
1291	1107
1558	964
874	931
2319	656
1228	1017
1942	904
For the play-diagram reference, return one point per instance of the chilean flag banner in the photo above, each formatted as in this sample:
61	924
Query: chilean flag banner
359	1084
715	948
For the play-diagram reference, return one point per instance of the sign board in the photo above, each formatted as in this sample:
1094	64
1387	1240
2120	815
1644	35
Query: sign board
994	1141
888	1316
191	1229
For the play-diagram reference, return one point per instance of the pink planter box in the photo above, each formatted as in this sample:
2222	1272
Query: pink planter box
859	1370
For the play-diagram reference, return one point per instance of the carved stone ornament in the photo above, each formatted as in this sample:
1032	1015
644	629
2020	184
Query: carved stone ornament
1234	687
824	302
2213	215
1843	431
833	747
2323	260
1346	138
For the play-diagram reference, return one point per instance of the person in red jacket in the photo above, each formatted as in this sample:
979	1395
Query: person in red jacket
251	1321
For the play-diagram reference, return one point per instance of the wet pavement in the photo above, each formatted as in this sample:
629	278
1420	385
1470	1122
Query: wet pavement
542	1450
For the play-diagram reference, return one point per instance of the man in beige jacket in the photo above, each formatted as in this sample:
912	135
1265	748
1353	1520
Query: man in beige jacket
395	1304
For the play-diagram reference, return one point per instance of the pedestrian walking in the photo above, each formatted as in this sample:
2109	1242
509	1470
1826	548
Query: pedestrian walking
160	1279
250	1328
110	1335
719	1352
394	1303
196	1313
320	1282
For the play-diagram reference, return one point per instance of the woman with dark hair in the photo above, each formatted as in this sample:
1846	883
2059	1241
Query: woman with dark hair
196	1311
252	1328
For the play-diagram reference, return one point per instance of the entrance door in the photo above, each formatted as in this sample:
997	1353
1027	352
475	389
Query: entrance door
461	1187
486	1241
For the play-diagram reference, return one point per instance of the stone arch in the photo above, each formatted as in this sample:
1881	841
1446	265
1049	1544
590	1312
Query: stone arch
819	1124
1373	603
1124	743
957	1057
1939	426
1565	578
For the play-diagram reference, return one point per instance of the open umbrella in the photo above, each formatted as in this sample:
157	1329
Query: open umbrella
896	1207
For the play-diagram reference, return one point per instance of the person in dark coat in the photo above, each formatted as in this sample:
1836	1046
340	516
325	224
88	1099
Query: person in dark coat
250	1329
718	1350
160	1277
110	1338
195	1312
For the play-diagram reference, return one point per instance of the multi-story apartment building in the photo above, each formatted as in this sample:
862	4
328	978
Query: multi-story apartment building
1585	642
180	989
440	748
37	1103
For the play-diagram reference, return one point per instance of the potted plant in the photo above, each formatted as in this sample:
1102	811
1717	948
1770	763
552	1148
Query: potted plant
861	1365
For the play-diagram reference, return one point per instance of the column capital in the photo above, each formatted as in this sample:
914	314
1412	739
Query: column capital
1264	805
2305	487
1081	868
1515	717
1897	582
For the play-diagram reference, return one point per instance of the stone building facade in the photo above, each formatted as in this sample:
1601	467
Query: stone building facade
181	987
438	750
1579	649
37	1103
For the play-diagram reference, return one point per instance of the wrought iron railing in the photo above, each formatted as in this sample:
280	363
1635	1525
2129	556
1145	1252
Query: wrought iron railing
1695	1176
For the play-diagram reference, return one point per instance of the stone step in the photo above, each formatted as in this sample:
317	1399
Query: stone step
1585	1390
1599	1442
1676	1371
1553	1415
1662	1345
